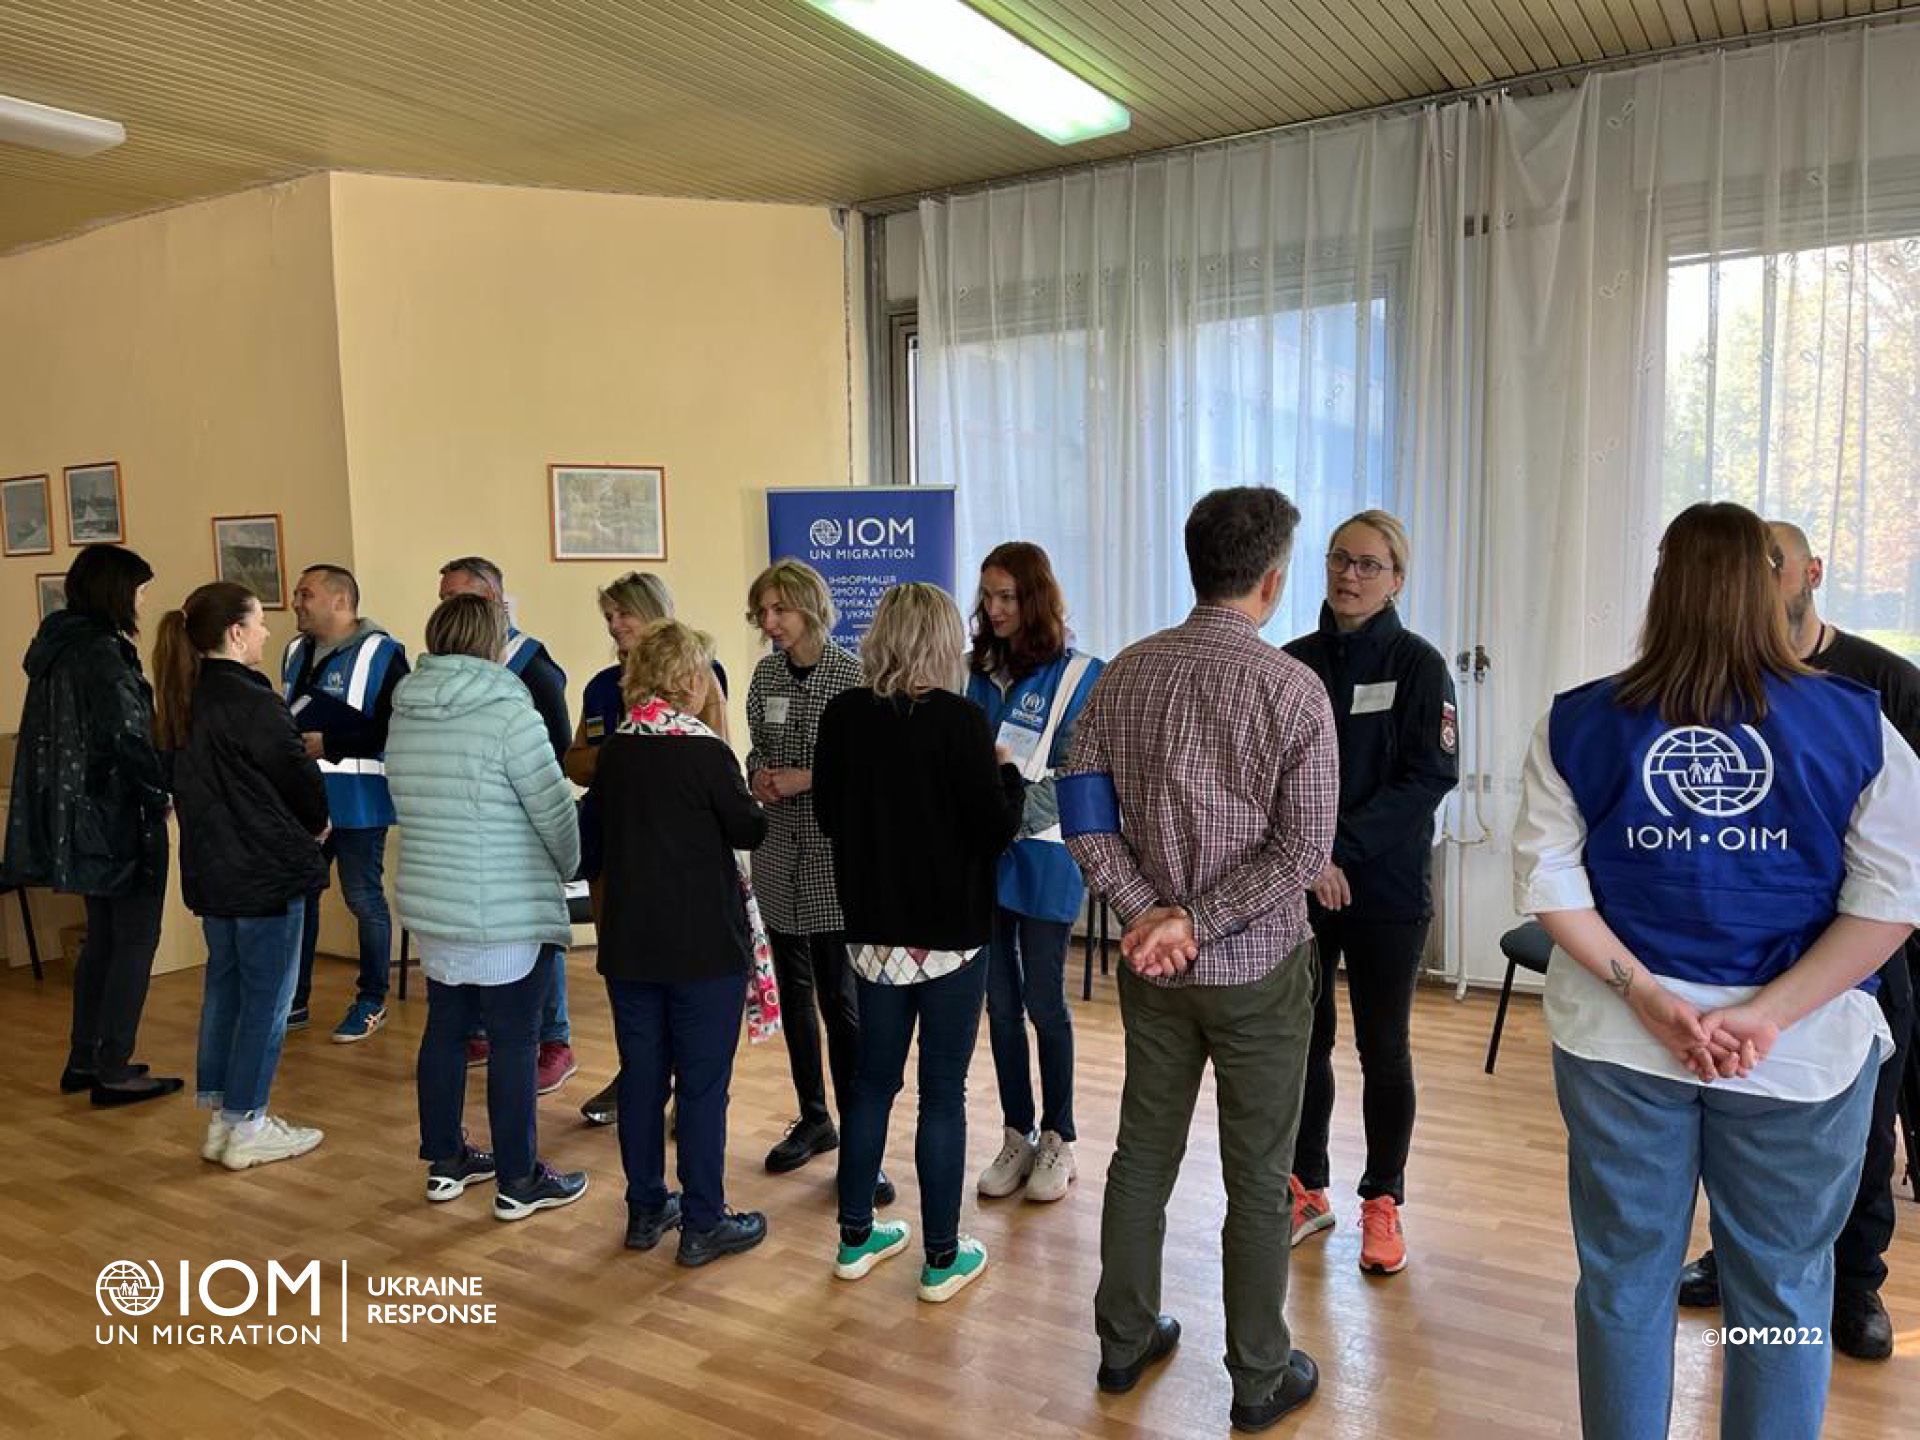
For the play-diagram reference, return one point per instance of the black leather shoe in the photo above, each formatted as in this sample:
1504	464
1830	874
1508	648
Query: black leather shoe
1303	1378
734	1233
1119	1379
883	1191
132	1091
645	1228
1860	1325
604	1108
73	1079
1700	1283
805	1139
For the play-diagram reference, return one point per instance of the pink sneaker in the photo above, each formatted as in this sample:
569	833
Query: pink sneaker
477	1052
556	1064
1383	1245
1311	1212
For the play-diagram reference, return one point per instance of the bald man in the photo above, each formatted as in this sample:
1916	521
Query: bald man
1861	1327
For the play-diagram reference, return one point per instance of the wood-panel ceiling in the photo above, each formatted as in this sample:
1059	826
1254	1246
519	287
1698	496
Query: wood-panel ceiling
738	99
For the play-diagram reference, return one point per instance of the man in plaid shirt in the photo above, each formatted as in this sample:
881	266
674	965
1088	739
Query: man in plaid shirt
1200	800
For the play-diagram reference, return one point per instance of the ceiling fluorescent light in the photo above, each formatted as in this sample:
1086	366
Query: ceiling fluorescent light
964	48
41	127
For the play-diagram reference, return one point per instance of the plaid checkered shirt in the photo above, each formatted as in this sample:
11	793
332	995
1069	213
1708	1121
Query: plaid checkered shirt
1223	756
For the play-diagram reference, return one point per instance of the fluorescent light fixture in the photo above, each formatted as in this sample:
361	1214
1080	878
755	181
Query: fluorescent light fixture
964	48
41	127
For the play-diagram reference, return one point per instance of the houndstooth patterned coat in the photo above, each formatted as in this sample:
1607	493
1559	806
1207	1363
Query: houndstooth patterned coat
793	868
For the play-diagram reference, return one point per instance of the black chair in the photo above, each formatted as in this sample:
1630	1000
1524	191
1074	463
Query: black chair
579	912
26	921
1097	913
1527	945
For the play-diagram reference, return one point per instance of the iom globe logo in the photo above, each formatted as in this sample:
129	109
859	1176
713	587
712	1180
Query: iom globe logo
1708	771
128	1288
825	534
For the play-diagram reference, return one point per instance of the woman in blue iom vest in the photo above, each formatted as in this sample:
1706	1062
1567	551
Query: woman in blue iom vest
1720	842
1032	684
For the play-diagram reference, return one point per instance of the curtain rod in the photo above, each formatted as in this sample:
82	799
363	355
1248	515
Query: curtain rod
1910	13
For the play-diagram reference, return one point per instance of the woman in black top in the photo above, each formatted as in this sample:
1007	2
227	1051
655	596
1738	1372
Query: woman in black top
919	804
253	815
1393	709
675	946
88	812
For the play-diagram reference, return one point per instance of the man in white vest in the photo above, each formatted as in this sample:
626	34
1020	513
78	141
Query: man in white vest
339	675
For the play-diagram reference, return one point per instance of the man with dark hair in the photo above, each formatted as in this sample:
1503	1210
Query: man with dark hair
1861	1326
1200	800
339	675
546	682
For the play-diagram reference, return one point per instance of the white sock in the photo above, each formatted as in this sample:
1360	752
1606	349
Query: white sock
247	1129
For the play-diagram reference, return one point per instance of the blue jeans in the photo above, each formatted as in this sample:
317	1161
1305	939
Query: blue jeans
251	963
1781	1177
948	1012
361	856
511	1014
688	1034
1027	980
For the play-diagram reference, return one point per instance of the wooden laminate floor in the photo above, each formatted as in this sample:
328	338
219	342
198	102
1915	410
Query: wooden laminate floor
1474	1340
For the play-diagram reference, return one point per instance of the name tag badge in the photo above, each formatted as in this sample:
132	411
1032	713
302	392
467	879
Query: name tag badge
1371	699
1024	743
596	729
777	707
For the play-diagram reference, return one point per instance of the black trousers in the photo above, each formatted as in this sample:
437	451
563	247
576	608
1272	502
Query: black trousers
812	973
1869	1228
1383	963
110	981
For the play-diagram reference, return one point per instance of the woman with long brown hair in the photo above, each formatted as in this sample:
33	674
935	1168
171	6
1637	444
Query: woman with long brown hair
253	814
1719	841
1031	682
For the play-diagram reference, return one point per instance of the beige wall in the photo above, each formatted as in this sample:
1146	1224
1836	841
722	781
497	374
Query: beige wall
486	332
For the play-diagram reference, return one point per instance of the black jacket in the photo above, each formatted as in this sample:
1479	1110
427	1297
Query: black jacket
89	804
918	811
672	810
251	803
547	683
1399	756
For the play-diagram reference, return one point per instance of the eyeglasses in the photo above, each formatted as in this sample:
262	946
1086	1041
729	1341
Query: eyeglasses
1365	566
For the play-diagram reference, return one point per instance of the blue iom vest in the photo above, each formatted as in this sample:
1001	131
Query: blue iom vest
1037	876
521	649
1716	852
357	796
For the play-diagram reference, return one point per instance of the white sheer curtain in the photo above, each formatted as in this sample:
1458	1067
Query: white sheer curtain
1534	328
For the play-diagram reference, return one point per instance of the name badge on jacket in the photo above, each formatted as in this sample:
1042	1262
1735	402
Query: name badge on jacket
1023	742
1370	699
777	705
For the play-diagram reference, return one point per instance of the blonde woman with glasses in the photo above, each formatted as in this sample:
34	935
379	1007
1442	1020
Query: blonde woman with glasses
919	803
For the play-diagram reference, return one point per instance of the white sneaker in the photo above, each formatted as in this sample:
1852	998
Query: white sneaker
1010	1167
274	1140
1053	1169
216	1143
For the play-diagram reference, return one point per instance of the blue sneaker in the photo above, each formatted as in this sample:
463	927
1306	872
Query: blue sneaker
887	1239
363	1017
968	1264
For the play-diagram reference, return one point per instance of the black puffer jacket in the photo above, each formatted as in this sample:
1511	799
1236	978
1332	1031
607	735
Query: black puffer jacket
251	803
89	804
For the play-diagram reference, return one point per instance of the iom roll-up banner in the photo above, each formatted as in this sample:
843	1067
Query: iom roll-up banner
863	539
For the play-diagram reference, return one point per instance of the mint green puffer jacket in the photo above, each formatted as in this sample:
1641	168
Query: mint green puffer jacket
487	832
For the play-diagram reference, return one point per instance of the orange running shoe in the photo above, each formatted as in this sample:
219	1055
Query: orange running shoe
1311	1212
1383	1248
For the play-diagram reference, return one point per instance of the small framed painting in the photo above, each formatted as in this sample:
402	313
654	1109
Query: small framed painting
608	512
95	505
51	592
249	550
26	516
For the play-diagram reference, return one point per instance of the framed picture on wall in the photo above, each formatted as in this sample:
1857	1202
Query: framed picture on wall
608	512
249	550
50	591
26	516
95	504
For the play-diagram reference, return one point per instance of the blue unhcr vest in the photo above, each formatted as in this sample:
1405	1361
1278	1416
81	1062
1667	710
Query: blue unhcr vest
1716	852
357	795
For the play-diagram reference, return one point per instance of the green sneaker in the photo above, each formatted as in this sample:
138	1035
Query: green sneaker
940	1285
888	1238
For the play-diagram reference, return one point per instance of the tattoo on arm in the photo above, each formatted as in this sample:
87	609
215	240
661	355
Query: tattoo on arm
1622	980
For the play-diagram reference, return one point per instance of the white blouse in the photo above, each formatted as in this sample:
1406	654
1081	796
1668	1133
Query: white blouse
1815	1058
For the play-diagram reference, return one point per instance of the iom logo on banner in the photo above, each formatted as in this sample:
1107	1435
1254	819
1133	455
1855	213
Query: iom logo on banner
1708	771
128	1288
824	533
